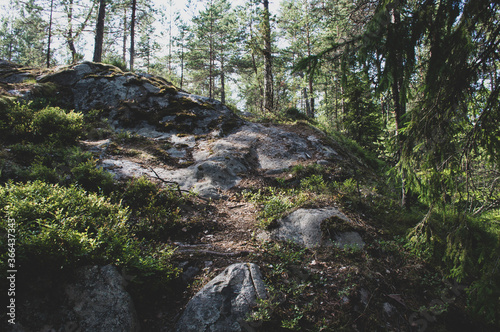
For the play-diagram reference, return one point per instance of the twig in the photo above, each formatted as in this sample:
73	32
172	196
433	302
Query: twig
179	190
215	253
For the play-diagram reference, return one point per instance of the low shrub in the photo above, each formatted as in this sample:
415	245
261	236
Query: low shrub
57	228
155	209
93	178
54	124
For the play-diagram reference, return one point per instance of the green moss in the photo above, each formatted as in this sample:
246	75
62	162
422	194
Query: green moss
336	225
230	124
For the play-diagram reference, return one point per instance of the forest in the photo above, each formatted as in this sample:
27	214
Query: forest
412	86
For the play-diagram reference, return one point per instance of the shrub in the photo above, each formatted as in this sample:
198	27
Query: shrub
54	124
41	172
58	227
93	178
15	118
156	209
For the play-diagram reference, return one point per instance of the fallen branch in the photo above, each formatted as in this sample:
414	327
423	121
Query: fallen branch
212	252
179	190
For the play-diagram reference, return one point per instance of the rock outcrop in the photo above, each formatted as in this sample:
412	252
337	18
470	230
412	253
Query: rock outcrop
100	302
224	302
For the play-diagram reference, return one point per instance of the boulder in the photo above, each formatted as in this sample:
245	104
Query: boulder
135	100
303	227
224	302
348	239
99	301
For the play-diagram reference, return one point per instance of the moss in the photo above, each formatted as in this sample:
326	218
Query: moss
336	225
230	124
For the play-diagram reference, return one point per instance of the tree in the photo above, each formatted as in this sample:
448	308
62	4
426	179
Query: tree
213	43
268	60
25	34
99	31
78	16
132	34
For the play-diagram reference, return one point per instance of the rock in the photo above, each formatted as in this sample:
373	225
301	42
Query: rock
304	226
225	301
133	99
349	239
100	301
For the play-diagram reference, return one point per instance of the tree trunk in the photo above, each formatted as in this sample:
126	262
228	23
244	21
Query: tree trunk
397	83
99	31
132	35
124	47
268	75
182	65
222	83
310	111
306	99
50	32
211	54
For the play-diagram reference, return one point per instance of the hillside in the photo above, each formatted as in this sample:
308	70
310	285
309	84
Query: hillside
128	197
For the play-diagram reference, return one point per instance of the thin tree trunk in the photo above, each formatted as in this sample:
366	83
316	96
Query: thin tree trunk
399	107
124	47
50	33
222	83
69	37
132	35
268	76
310	111
306	99
182	65
211	54
99	31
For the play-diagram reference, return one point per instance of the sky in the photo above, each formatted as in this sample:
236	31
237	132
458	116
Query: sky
177	6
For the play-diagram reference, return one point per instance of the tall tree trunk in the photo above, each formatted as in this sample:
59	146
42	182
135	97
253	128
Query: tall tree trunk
124	47
310	111
50	32
182	65
132	35
222	79
268	75
99	31
306	99
397	83
256	71
211	54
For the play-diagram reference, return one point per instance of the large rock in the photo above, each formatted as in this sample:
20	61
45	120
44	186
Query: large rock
138	100
225	301
218	164
100	302
303	227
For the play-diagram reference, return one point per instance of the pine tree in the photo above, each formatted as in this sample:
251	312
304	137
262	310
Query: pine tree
99	32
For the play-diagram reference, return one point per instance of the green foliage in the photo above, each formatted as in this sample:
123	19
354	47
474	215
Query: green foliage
20	121
155	209
362	117
56	125
39	171
92	177
15	119
274	203
283	289
58	228
314	183
467	249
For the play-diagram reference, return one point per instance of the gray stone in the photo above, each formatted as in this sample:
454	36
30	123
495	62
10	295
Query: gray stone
100	301
304	227
225	301
349	239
